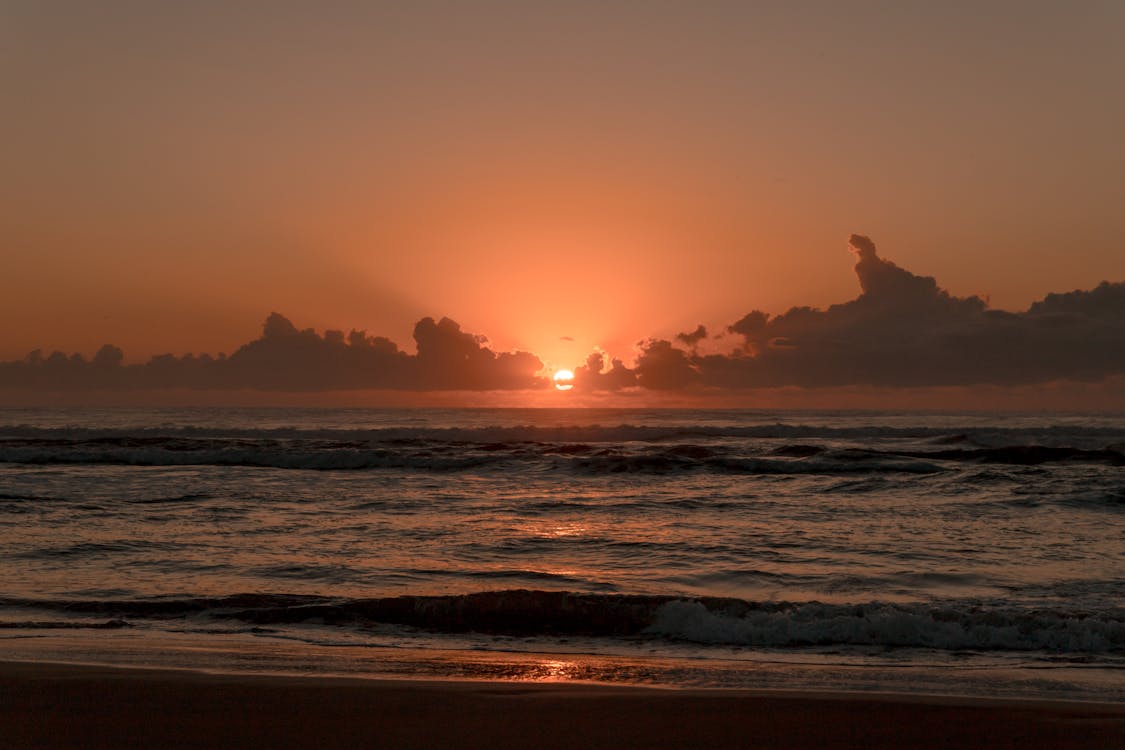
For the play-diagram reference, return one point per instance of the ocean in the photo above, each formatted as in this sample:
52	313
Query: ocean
955	554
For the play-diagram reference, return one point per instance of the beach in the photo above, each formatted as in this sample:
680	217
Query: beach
60	705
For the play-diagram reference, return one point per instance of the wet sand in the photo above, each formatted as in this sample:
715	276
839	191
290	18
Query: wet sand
57	705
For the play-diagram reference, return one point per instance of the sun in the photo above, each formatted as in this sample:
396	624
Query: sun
564	380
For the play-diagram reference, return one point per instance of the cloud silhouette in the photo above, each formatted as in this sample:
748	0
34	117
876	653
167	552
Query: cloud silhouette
903	330
450	359
287	358
593	376
694	337
1106	302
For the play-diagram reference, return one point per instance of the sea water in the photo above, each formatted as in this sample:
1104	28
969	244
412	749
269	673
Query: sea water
943	553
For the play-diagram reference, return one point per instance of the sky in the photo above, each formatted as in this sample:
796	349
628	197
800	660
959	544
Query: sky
561	178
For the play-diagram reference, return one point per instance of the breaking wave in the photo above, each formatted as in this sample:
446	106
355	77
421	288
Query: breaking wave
706	620
435	456
947	628
597	455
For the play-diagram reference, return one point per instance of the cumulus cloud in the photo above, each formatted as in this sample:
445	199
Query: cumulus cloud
287	358
694	337
594	375
901	330
1105	302
450	359
905	330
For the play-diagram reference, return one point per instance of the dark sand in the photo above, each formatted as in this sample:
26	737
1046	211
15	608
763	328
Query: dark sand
54	705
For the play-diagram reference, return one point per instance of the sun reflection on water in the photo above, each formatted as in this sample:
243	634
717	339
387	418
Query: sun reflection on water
551	670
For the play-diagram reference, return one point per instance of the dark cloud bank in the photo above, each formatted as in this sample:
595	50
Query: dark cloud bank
285	358
903	330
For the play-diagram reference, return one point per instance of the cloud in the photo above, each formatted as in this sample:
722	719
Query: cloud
663	367
1106	302
905	330
450	359
749	324
594	376
694	337
287	358
902	330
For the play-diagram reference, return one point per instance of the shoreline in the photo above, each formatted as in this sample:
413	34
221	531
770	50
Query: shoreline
57	705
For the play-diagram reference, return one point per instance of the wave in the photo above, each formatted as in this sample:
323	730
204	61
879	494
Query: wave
739	457
1112	498
432	456
984	437
706	620
1026	455
893	625
1103	499
62	625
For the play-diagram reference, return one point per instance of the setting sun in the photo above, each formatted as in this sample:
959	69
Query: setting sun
564	380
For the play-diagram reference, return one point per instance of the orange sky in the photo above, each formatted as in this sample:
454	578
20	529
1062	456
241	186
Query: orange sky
605	171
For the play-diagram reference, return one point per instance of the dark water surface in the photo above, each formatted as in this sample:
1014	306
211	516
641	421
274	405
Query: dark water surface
937	552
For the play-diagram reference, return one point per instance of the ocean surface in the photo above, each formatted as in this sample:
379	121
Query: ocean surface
973	554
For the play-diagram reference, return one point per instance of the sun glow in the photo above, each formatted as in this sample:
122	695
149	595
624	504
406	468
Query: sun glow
564	380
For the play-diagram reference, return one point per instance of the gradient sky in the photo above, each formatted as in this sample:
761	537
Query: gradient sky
605	171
